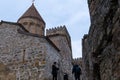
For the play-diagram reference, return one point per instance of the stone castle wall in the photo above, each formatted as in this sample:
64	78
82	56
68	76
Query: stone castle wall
61	30
60	37
24	56
101	46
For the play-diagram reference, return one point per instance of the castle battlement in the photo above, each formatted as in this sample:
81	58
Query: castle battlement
77	61
61	31
57	30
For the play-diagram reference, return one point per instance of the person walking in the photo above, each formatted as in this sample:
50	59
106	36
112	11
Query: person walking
76	71
65	76
54	71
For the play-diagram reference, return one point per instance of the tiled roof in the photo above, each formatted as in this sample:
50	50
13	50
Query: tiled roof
33	13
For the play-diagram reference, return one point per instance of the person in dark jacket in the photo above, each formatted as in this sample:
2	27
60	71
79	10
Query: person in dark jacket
65	76
54	71
76	71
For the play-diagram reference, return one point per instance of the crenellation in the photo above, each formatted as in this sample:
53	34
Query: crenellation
55	30
27	54
60	30
77	61
61	38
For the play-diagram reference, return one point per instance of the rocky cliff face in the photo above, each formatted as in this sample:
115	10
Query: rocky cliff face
101	46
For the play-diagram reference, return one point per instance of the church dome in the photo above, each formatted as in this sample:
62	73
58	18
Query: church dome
32	13
32	21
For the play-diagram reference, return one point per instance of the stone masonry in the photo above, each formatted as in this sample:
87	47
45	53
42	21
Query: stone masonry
26	53
25	56
101	46
60	37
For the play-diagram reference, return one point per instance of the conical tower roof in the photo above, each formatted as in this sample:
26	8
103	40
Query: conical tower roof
32	13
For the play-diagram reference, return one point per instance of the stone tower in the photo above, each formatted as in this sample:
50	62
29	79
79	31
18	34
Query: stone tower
32	21
61	38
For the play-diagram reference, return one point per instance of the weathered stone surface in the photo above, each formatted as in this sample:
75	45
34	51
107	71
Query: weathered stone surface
101	46
27	57
28	54
61	38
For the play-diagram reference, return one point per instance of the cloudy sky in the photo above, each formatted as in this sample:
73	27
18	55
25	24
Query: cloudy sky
72	13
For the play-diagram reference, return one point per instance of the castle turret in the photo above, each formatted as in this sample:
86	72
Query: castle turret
59	31
32	21
61	38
